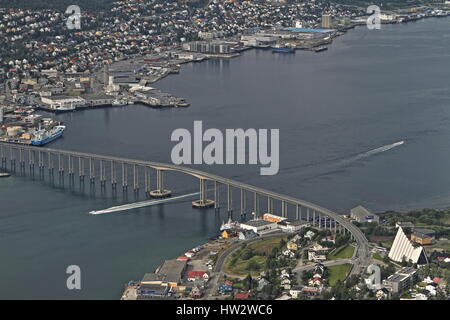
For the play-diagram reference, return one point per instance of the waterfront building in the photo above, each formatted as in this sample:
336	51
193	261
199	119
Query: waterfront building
63	102
292	226
273	218
259	226
169	274
363	215
96	100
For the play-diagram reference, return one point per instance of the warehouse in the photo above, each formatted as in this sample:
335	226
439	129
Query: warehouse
259	226
363	215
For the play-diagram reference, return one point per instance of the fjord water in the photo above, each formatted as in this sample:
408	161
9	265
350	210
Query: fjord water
343	115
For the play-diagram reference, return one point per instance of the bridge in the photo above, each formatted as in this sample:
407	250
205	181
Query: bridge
114	170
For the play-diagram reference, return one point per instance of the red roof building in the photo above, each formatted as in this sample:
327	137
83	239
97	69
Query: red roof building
242	295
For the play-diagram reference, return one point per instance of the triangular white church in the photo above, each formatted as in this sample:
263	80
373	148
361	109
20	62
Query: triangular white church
403	248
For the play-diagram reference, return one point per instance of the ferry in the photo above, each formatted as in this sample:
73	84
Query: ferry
280	49
44	136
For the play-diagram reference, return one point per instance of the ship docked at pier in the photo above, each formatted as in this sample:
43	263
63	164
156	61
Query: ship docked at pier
282	49
43	136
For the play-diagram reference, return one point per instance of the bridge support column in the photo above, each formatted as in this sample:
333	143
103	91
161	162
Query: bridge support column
320	221
147	179
269	204
297	212
283	209
216	196
60	164
124	176
81	168
160	191
102	173
229	200
12	159
91	170
113	175
135	178
21	160
203	202
243	204
50	164
255	205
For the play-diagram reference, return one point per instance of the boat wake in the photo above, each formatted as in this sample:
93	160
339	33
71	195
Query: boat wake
372	152
141	204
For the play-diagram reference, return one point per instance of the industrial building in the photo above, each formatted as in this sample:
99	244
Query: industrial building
292	226
259	226
169	274
63	102
363	215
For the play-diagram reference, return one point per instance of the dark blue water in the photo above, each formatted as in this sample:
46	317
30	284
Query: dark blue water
339	113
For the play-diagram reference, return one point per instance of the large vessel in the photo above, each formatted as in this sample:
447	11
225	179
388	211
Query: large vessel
44	136
281	49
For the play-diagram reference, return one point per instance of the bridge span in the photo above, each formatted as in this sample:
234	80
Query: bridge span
115	170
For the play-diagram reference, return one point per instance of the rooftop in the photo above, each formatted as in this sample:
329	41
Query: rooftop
257	223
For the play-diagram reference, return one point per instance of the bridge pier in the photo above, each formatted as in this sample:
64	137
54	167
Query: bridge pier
255	205
160	191
135	178
147	181
113	175
124	176
102	174
269	205
216	196
203	202
283	209
229	200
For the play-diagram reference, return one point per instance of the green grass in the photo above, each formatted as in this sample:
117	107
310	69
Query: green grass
344	252
240	268
338	272
378	256
266	246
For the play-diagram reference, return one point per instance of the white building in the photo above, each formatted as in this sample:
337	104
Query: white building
63	102
259	226
402	248
363	215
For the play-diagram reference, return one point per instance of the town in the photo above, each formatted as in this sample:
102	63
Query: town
117	55
276	258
